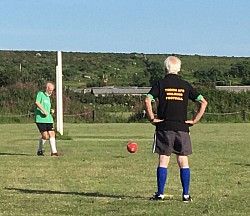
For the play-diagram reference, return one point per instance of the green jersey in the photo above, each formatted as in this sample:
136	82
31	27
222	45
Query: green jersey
46	104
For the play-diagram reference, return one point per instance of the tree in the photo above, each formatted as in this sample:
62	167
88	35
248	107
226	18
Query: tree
153	70
239	70
7	77
212	76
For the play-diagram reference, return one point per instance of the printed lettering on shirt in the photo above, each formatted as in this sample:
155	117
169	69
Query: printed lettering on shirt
175	94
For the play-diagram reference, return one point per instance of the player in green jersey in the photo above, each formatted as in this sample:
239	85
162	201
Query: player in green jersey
44	119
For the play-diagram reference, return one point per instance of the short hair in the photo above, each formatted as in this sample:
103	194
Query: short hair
172	65
49	83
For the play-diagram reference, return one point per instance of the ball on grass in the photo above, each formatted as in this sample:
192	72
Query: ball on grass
132	147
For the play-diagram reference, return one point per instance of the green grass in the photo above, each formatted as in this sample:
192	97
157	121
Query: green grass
97	176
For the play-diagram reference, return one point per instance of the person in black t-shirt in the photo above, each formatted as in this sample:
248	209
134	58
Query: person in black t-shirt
172	126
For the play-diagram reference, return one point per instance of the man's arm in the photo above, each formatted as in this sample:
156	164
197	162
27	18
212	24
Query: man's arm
199	113
39	105
149	111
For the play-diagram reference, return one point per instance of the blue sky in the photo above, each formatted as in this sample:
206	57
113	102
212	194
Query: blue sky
202	27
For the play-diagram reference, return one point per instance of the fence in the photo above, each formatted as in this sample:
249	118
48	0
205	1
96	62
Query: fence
96	116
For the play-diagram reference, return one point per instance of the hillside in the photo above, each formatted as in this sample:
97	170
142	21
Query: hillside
23	73
119	69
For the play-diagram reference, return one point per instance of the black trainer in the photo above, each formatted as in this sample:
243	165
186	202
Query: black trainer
40	153
157	197
186	198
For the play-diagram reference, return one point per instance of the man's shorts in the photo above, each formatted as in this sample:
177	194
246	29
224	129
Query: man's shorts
45	127
168	142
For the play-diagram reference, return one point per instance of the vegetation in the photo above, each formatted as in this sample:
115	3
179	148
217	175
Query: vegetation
23	73
96	176
16	105
119	69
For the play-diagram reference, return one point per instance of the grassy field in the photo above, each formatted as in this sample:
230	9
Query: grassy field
97	176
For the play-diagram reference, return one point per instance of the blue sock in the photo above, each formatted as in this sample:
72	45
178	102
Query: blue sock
185	180
161	179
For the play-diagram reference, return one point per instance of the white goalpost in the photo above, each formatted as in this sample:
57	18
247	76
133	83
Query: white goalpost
59	98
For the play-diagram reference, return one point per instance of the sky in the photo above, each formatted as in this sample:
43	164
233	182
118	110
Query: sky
187	27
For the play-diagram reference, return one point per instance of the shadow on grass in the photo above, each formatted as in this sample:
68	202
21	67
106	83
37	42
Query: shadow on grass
242	164
13	154
112	137
94	194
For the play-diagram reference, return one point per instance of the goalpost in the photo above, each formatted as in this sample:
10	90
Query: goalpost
59	98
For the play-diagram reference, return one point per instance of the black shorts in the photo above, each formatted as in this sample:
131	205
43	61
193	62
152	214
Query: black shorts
45	127
168	142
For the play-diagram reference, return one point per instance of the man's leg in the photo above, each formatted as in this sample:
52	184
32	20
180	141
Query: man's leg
162	171
52	141
42	140
184	174
42	129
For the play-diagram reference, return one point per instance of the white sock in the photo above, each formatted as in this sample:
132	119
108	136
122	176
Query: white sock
41	143
52	142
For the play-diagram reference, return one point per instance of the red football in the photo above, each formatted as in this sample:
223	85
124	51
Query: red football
132	147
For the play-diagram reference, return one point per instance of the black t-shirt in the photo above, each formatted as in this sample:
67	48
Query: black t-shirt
173	94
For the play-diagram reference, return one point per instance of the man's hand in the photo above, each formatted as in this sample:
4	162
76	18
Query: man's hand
190	122
52	111
156	120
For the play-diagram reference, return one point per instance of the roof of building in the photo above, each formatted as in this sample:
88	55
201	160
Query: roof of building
120	90
233	88
144	90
